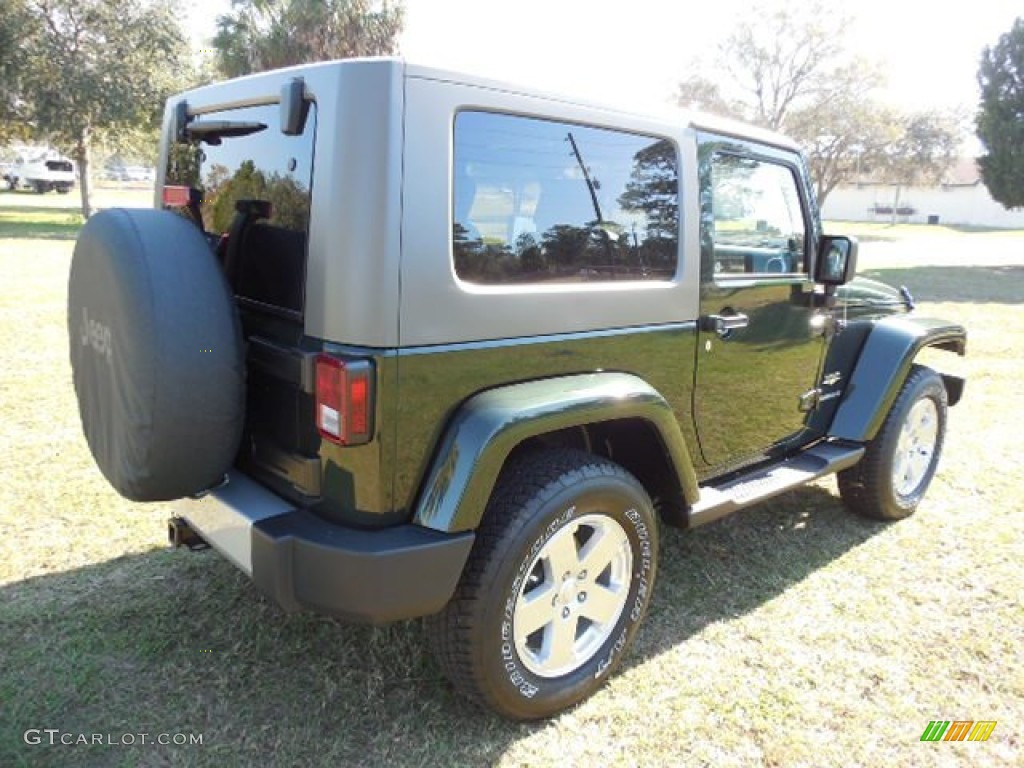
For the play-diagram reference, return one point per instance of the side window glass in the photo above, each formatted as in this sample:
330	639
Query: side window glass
541	201
759	225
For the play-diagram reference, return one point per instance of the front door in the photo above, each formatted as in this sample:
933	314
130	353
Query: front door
761	340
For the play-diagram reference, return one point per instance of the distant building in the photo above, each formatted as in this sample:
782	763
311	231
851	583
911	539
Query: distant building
962	198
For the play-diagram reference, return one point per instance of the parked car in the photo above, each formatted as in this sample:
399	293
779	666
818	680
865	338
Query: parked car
138	173
42	173
400	342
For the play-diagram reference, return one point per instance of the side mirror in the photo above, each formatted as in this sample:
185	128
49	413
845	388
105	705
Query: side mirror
837	261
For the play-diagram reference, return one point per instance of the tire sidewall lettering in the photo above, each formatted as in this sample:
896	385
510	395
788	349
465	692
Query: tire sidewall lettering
509	656
643	572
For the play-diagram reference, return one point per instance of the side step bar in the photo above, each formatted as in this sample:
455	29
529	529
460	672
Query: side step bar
767	481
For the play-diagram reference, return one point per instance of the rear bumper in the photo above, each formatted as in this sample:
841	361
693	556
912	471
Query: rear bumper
302	561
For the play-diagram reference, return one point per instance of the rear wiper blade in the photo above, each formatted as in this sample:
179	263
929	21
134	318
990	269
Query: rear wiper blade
212	131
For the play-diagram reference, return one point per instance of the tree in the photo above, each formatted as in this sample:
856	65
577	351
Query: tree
16	25
288	199
787	68
99	67
699	91
844	135
1000	119
267	34
779	56
564	245
924	150
653	189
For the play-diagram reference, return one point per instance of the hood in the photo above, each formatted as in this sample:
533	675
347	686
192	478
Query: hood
868	296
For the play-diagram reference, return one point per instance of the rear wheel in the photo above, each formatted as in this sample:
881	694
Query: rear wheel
900	462
557	584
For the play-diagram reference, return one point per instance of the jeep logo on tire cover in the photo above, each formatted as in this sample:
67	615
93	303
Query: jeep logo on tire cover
97	336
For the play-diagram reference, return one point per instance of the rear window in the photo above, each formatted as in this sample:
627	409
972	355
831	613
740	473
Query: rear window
233	176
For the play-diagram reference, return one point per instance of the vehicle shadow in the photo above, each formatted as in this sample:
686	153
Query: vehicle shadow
168	641
733	566
1003	284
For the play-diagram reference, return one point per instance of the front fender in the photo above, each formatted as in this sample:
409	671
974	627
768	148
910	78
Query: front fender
489	425
884	365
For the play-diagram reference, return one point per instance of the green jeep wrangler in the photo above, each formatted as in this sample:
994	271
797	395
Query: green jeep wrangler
400	342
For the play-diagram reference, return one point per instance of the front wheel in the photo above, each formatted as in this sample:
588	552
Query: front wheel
556	586
900	462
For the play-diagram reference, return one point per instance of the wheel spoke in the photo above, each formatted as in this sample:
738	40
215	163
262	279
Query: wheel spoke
535	609
923	424
558	650
561	554
899	470
903	443
599	551
922	457
602	604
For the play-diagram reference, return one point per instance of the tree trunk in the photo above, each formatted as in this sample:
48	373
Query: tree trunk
822	195
896	202
82	161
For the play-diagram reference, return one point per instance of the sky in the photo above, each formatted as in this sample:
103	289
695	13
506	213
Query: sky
632	53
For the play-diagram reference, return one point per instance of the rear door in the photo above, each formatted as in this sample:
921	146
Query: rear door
250	186
760	340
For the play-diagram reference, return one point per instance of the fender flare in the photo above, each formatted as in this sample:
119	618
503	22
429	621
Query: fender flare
489	425
883	366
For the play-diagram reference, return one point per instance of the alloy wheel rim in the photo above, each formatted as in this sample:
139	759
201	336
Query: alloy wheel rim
573	595
915	448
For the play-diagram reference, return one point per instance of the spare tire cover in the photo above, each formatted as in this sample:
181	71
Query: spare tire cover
156	354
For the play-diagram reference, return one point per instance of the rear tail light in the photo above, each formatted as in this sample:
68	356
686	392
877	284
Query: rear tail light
344	400
177	197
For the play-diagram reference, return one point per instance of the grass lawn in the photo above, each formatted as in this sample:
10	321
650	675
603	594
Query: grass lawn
791	635
17	222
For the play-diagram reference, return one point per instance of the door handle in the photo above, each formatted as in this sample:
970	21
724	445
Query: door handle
723	325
